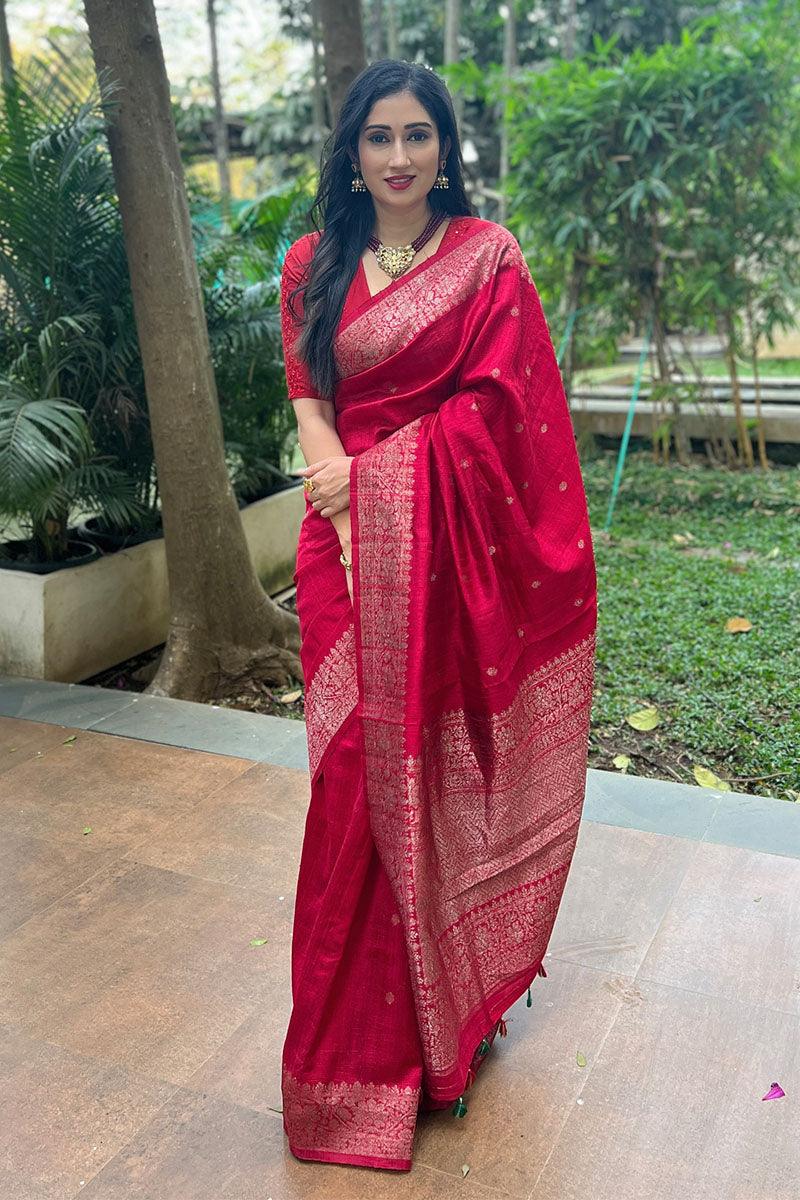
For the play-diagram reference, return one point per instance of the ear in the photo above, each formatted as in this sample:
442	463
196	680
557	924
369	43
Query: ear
445	149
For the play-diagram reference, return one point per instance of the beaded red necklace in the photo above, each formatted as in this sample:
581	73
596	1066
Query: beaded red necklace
394	260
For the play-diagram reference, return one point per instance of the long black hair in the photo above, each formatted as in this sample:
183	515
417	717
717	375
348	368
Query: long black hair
348	217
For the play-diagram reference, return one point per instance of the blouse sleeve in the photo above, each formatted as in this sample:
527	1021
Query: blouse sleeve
298	379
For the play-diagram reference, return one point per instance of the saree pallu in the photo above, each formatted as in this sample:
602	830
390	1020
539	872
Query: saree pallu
447	708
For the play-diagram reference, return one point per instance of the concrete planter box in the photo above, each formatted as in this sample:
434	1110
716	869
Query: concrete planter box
71	624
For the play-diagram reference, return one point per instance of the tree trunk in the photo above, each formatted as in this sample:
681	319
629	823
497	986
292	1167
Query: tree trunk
392	38
571	29
452	28
762	442
577	277
708	406
745	446
343	39
317	94
223	627
509	66
376	30
6	61
220	126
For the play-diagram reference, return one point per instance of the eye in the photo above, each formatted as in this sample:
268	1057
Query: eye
418	133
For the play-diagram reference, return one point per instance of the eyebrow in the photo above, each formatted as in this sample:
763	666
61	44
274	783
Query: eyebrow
410	125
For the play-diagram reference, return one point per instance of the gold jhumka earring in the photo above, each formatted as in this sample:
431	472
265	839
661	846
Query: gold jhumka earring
357	182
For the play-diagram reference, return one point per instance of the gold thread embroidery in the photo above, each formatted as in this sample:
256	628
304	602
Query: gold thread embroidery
392	323
370	1120
502	907
514	780
330	696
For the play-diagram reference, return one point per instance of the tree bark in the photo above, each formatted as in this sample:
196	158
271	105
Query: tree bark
744	444
6	60
223	628
377	30
317	93
392	35
571	29
220	127
452	28
343	39
509	66
577	277
762	442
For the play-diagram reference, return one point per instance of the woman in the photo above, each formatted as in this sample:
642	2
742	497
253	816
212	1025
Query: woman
446	598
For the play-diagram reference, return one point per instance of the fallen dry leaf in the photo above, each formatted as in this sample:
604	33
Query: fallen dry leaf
708	779
738	625
644	719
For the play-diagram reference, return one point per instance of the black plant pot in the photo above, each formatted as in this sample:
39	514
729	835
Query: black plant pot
268	490
79	553
109	540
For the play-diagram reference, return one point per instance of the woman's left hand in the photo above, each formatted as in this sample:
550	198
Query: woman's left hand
331	477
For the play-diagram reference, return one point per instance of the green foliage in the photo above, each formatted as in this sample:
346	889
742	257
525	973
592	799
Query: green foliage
669	178
71	376
727	702
67	355
240	272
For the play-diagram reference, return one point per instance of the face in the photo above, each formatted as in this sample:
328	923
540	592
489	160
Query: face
399	137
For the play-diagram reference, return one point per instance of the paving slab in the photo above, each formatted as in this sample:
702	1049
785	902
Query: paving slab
140	1031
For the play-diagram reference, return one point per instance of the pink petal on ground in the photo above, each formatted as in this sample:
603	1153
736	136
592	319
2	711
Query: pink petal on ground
775	1092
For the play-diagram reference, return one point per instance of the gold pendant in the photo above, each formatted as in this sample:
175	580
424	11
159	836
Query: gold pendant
394	259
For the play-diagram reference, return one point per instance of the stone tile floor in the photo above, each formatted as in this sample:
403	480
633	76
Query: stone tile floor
140	1032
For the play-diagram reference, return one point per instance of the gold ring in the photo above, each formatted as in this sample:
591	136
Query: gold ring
308	485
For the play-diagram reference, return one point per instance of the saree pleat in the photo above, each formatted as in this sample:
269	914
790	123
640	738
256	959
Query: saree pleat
352	1063
447	706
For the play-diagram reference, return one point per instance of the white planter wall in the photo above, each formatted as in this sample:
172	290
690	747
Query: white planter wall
73	623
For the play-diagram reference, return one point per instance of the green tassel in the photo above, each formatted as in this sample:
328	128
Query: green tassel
460	1108
484	1047
529	1001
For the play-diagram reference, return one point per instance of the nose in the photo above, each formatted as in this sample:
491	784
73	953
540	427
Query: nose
399	157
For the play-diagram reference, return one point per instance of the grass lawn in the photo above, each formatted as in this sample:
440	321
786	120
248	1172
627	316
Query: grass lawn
769	368
729	702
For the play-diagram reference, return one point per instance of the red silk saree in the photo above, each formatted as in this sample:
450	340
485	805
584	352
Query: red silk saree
447	707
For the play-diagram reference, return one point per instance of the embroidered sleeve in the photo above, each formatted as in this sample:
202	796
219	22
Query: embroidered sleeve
298	380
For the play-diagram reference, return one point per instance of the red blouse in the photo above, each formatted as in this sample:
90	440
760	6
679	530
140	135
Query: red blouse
298	256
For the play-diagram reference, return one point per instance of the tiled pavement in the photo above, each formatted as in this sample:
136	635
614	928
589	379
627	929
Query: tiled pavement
141	1033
